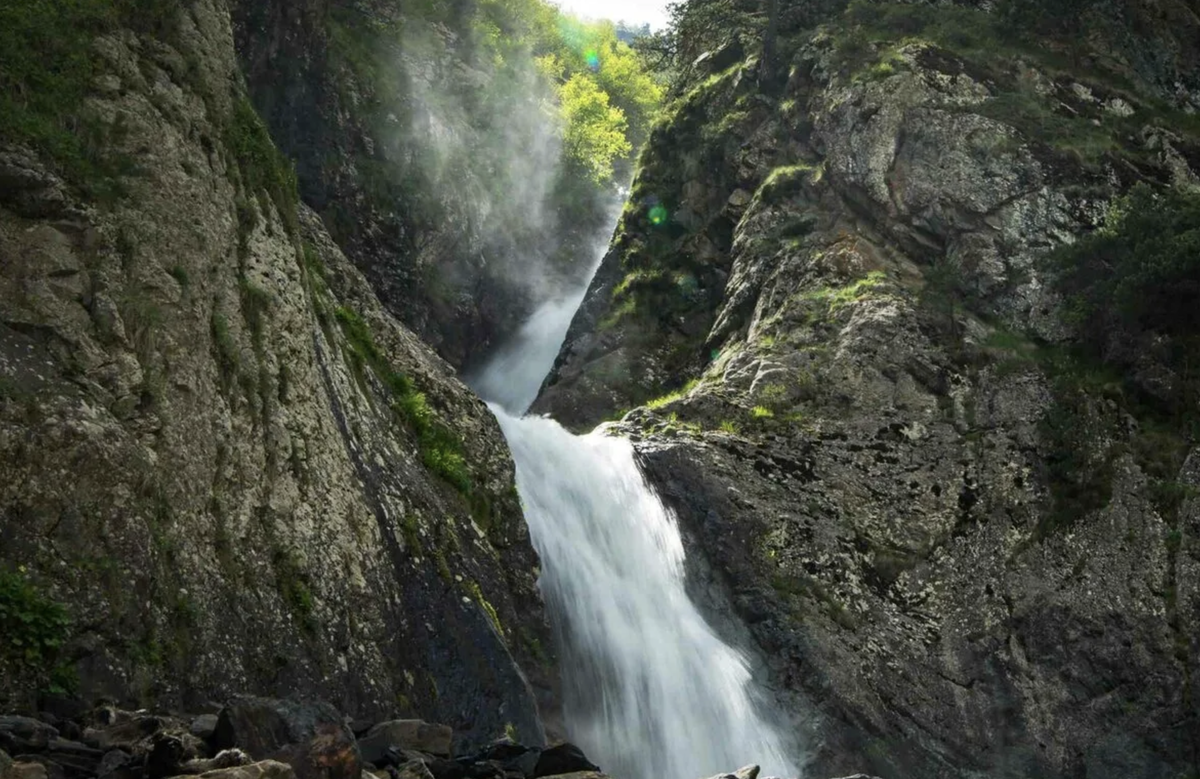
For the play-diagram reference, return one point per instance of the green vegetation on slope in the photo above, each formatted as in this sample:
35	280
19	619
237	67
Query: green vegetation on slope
1133	294
441	451
33	628
537	114
264	170
46	69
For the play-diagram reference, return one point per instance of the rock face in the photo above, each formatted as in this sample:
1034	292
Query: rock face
434	172
940	528
216	448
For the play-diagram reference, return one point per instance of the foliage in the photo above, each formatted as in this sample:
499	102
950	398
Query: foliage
696	27
670	398
540	115
1053	17
838	297
1135	281
256	306
264	170
33	628
294	586
595	131
1140	271
227	350
488	608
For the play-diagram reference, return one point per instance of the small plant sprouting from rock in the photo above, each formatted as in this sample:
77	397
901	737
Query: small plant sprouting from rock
670	398
256	305
838	297
294	587
488	608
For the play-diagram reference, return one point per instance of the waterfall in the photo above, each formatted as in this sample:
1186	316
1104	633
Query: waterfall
650	690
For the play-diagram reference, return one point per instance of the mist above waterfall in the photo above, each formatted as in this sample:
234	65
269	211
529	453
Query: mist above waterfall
509	129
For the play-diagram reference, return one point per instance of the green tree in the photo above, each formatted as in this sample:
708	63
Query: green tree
594	136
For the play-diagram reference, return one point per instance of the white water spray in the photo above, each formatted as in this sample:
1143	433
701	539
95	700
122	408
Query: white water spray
514	376
650	691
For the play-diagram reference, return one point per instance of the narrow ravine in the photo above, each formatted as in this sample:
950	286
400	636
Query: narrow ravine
650	690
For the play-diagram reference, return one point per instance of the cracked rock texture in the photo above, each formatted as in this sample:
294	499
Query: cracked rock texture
853	279
202	450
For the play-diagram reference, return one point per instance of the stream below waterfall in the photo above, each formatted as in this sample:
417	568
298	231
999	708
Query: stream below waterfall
650	691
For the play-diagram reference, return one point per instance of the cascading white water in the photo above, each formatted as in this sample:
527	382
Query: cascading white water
513	377
650	691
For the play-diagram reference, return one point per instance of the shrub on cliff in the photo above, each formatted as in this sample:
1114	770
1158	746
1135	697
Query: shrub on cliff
1141	270
33	628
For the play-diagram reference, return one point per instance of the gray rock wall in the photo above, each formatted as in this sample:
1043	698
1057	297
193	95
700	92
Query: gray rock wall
853	279
235	469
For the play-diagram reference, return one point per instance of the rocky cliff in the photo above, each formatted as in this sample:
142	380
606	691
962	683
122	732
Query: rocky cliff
424	136
227	465
950	487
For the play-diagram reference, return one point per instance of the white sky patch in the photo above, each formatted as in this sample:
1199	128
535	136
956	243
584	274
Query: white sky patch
633	11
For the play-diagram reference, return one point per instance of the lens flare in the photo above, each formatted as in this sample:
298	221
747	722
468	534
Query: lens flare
593	59
658	215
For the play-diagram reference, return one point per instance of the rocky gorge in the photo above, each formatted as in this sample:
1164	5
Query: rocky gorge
899	320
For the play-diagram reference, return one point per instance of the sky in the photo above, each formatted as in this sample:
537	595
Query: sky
636	11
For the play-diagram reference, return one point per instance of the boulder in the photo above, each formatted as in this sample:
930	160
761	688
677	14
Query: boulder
563	759
442	768
116	729
581	775
511	756
746	772
25	771
204	726
267	769
29	733
228	758
74	758
50	769
166	758
413	769
117	764
310	736
415	735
